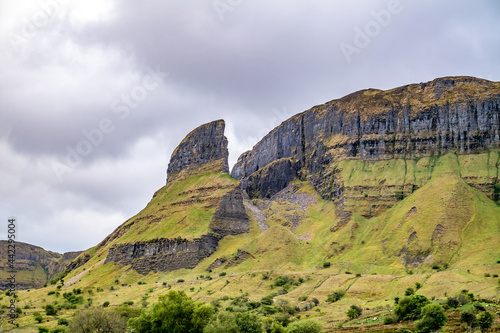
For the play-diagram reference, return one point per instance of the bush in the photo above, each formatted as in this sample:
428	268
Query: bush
50	310
409	308
452	302
335	296
180	280
479	306
304	326
98	320
105	304
391	319
487	274
38	317
233	322
267	300
303	298
222	274
433	318
435	267
283	280
43	330
409	291
175	312
326	264
354	312
63	322
58	329
315	300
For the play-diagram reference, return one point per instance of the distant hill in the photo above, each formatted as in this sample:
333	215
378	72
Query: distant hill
34	266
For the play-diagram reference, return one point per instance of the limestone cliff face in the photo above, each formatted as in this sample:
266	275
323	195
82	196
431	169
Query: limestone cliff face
202	150
163	254
460	114
230	217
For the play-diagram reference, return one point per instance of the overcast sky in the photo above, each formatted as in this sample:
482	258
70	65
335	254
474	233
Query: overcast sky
96	94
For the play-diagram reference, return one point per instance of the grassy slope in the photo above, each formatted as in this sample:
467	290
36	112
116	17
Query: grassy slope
468	243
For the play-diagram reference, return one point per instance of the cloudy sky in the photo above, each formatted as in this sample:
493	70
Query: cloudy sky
96	94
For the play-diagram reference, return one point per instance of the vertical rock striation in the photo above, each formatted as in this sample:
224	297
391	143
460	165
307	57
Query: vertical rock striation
460	114
202	150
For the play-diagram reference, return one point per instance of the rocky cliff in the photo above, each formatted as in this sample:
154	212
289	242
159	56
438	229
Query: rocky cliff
452	114
202	150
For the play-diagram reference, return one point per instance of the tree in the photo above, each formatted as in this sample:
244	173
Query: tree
98	320
485	320
354	312
469	318
232	322
433	318
410	307
175	312
304	326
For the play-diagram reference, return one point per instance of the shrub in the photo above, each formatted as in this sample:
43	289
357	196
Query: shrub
58	329
180	280
233	322
105	304
222	274
283	280
495	275
38	317
315	300
335	296
388	320
43	330
479	306
409	291
52	292
326	264
98	320
267	300
487	274
354	312
302	298
175	312
63	322
433	318
435	267
409	308
304	326
50	310
452	302
418	285
266	275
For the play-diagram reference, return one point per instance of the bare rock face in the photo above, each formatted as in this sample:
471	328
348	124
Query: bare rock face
230	218
163	255
202	150
460	114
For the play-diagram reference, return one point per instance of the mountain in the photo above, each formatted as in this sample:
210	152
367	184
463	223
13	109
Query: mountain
34	266
369	194
408	173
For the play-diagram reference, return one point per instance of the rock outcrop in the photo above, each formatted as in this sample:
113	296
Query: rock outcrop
164	255
460	114
230	218
202	150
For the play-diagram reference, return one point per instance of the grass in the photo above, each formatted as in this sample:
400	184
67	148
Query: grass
372	247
